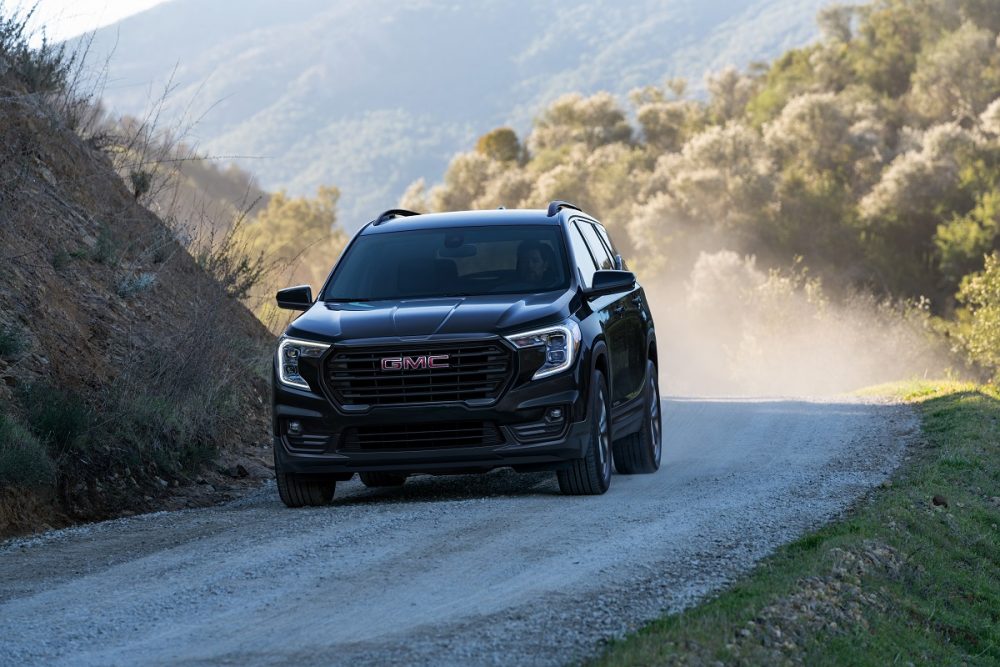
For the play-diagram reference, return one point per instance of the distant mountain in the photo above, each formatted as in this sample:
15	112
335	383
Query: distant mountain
369	95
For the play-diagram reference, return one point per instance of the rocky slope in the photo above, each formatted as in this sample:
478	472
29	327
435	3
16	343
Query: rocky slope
126	371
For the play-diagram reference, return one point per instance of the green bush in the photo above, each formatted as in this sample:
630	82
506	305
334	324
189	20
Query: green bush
142	181
980	292
23	459
170	435
105	251
57	416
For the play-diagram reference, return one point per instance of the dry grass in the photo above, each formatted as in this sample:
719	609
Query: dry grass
123	361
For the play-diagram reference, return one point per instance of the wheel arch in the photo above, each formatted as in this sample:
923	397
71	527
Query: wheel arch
599	360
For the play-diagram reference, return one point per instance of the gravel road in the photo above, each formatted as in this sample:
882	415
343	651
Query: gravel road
495	569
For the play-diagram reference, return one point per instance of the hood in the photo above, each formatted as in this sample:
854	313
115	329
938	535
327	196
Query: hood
422	318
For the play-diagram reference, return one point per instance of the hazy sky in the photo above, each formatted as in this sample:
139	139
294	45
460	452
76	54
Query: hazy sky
67	18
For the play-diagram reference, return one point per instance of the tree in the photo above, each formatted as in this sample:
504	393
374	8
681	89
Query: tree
299	234
965	239
593	121
917	192
724	176
466	178
500	144
836	22
667	125
958	77
889	39
729	92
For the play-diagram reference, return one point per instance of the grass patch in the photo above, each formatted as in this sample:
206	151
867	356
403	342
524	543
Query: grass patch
105	250
910	577
57	416
23	460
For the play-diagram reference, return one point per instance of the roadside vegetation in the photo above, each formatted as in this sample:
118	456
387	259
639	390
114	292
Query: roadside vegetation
127	362
908	577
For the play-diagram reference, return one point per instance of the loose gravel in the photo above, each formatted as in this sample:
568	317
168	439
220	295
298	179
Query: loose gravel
472	570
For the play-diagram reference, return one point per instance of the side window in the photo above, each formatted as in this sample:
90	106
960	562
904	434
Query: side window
607	241
584	259
596	245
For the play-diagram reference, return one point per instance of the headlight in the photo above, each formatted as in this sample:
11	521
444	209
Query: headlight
561	344
290	350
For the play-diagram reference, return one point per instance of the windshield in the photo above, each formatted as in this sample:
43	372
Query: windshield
456	261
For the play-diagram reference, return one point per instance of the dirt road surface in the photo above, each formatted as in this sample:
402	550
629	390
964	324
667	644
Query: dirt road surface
462	570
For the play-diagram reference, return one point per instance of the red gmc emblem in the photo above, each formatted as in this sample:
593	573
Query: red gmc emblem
413	363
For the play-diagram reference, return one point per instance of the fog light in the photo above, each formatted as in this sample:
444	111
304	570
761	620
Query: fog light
554	415
294	428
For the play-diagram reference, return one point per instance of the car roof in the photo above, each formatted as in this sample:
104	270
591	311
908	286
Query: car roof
491	217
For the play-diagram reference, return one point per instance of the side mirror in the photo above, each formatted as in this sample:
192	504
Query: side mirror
610	282
295	298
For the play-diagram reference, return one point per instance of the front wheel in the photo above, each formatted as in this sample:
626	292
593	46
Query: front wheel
641	452
591	475
296	490
299	490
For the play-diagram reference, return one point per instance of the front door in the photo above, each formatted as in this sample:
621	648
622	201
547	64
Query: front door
621	319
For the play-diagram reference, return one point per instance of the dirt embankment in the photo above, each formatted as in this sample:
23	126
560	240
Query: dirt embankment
124	366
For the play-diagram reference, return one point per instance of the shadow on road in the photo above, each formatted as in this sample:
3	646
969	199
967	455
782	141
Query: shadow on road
429	488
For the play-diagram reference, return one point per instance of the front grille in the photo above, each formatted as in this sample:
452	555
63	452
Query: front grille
475	371
431	435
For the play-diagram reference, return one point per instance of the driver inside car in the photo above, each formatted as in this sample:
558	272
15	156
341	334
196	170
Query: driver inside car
534	266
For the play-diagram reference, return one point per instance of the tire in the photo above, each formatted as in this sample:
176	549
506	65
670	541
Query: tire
374	480
641	452
591	475
297	490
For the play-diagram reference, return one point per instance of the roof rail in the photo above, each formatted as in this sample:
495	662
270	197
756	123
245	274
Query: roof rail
559	204
392	213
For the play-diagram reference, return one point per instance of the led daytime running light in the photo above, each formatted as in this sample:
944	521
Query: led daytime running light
290	351
561	344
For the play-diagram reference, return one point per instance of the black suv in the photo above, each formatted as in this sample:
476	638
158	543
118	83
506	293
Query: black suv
461	342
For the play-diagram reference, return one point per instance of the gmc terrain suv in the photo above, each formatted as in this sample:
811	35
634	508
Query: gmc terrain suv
461	342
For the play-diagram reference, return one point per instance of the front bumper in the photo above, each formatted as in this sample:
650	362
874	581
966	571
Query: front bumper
327	442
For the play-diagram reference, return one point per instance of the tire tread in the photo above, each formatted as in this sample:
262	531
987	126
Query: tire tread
633	453
582	477
304	490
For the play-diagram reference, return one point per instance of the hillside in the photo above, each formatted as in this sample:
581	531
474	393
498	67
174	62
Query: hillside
126	371
368	96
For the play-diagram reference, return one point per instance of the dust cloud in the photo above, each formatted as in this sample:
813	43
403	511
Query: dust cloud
732	329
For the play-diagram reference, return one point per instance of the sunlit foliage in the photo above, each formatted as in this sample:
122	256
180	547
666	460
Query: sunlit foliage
873	155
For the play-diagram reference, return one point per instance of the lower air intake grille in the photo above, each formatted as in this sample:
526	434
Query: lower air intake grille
431	435
308	443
